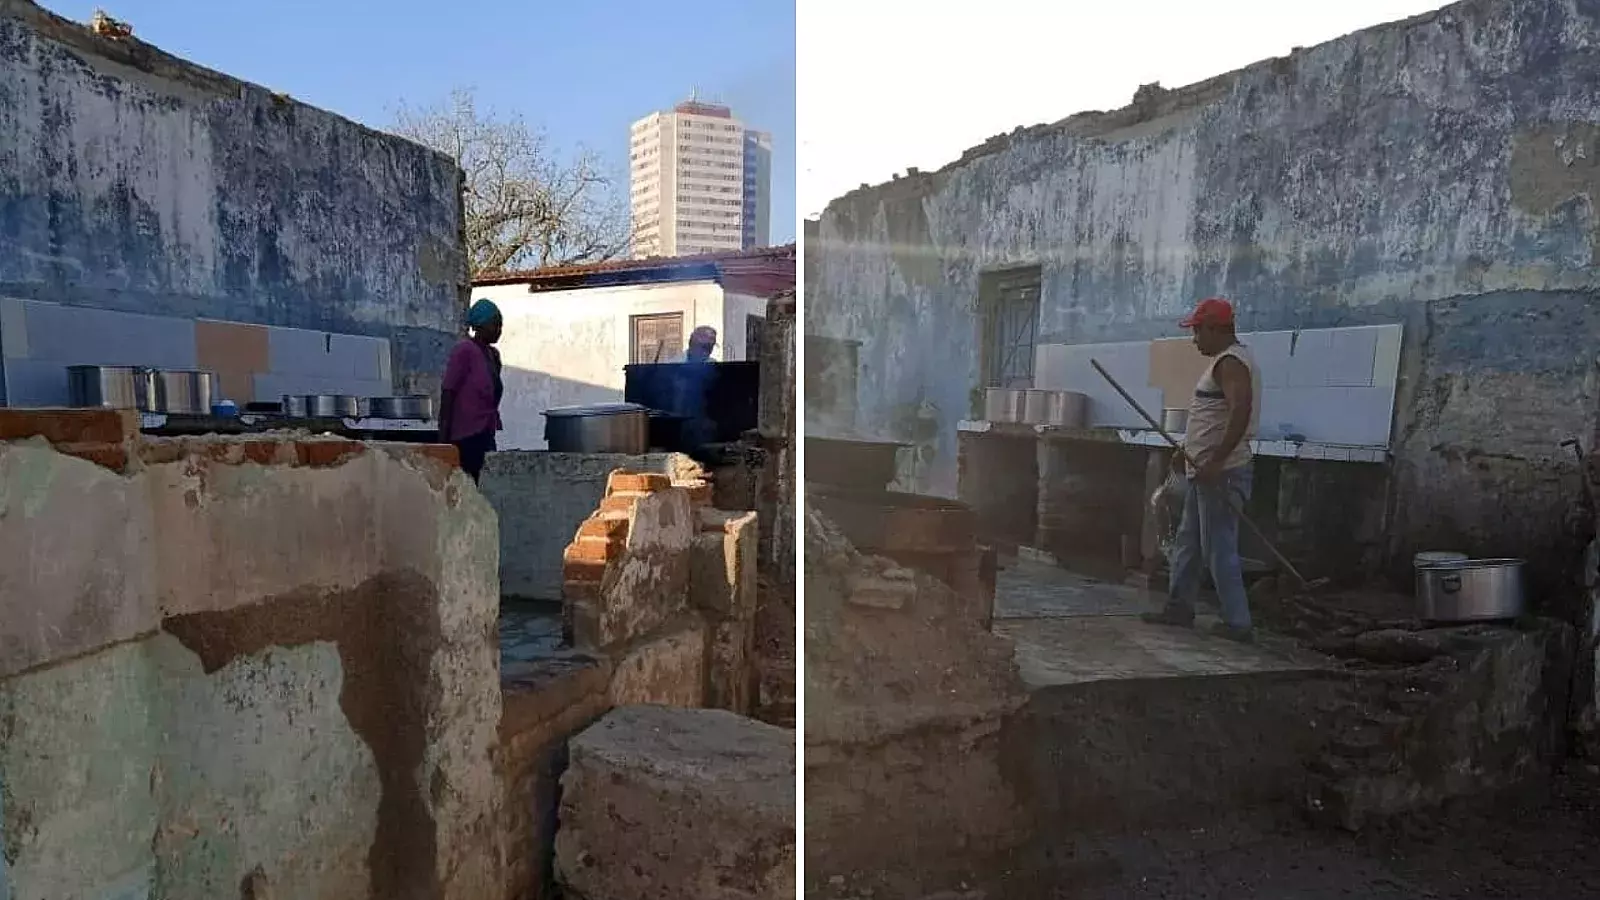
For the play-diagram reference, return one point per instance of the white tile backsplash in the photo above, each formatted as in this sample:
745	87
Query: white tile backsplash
1337	387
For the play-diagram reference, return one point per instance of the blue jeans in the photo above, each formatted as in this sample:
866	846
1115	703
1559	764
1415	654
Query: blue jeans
1208	537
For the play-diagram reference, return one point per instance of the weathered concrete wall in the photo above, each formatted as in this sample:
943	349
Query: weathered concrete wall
541	498
1439	172
132	180
258	666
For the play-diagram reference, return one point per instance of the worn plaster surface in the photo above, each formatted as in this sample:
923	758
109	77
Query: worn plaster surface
70	583
131	180
1439	172
283	719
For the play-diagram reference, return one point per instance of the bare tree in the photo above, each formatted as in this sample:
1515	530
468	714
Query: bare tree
525	206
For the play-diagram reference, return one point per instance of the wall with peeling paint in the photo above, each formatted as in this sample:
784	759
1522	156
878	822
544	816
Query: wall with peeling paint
263	668
1442	172
134	181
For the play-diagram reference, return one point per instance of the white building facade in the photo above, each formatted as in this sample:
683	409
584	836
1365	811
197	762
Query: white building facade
568	336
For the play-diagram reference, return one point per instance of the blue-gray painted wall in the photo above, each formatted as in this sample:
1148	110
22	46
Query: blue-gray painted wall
1443	172
134	181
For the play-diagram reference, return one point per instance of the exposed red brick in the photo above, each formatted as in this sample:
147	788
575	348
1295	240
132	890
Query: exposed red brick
111	456
444	453
266	453
608	526
69	426
590	549
260	452
622	481
327	453
620	502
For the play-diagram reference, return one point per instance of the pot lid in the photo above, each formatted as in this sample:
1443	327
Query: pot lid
597	409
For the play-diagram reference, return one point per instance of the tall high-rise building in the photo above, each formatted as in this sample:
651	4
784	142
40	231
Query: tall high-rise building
700	182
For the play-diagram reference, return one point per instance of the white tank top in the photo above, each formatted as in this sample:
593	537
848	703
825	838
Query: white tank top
1208	411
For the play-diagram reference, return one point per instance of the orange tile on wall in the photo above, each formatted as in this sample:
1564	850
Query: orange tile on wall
236	352
1175	367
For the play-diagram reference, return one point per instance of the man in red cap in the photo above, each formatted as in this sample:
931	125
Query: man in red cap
1222	418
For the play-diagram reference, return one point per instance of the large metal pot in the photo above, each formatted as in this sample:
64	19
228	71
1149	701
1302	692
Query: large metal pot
416	407
1060	408
602	428
332	406
1474	590
1004	404
184	393
111	387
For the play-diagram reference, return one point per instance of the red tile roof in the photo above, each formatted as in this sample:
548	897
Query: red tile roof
741	271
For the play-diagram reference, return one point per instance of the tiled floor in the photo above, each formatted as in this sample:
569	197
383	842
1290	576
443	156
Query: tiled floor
1078	649
1071	629
1028	588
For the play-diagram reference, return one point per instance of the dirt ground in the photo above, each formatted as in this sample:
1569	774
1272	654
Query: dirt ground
1542	848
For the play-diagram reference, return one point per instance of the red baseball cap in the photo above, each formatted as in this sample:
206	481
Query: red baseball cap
1214	311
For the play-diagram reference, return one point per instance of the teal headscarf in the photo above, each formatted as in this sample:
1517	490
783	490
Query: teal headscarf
482	313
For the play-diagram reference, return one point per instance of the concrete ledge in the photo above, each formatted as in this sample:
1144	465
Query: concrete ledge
677	804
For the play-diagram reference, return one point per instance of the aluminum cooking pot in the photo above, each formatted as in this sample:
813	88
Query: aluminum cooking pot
602	428
185	393
1060	408
414	407
1003	404
332	406
112	387
1474	590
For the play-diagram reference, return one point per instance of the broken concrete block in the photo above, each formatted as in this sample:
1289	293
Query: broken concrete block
668	669
723	573
678	804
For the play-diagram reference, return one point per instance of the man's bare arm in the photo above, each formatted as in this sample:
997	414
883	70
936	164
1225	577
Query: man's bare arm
1234	377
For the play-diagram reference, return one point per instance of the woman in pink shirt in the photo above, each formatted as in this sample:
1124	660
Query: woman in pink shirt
469	405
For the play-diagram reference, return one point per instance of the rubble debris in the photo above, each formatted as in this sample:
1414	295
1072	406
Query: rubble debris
906	697
678	804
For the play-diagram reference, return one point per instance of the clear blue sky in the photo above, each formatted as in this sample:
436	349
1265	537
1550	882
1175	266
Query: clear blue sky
583	72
